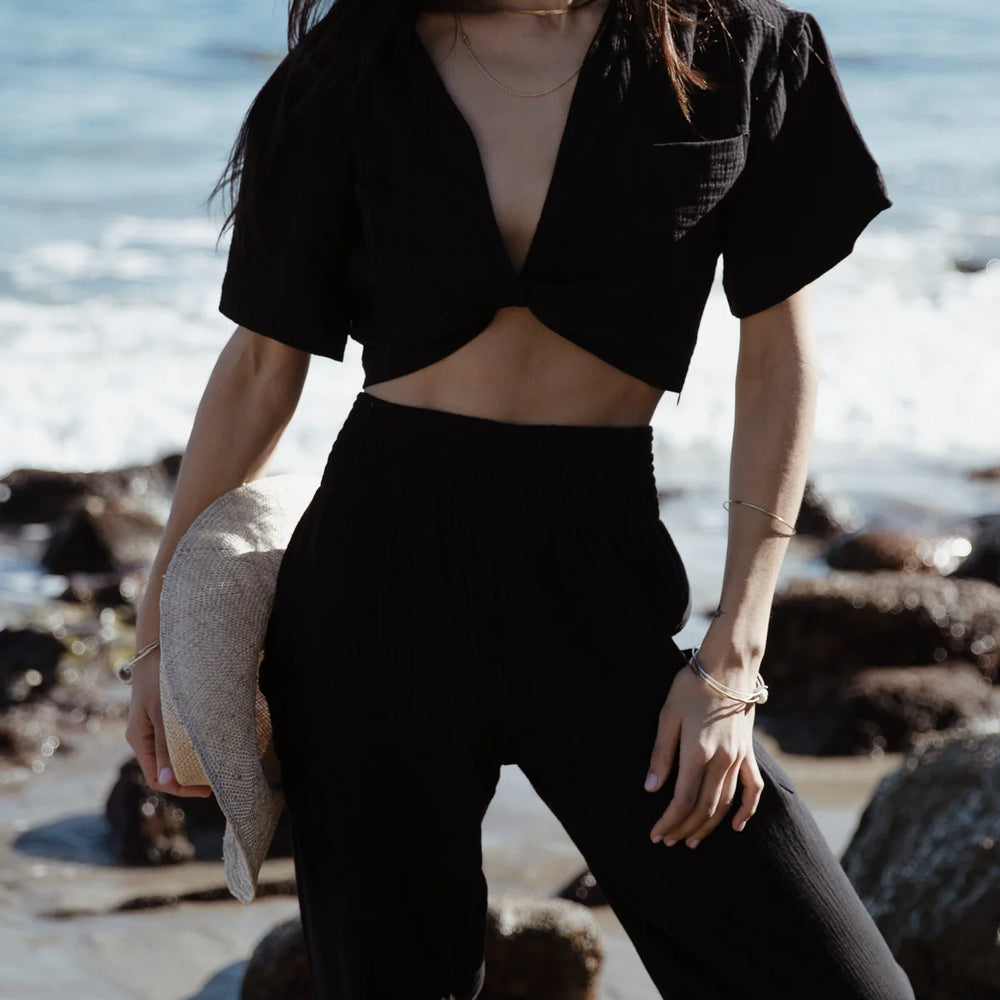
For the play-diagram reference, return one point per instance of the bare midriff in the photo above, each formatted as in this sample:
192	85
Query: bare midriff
520	371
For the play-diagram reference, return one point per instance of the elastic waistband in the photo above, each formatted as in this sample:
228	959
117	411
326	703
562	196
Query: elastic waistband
413	453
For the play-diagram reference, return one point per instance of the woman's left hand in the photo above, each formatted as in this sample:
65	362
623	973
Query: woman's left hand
711	737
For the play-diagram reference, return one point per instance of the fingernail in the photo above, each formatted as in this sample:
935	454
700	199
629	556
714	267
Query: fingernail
739	829
657	839
650	782
693	843
165	776
669	843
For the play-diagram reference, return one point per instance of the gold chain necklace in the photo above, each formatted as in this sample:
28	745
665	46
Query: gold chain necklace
516	93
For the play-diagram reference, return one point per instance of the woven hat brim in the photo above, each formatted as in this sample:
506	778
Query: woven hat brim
215	603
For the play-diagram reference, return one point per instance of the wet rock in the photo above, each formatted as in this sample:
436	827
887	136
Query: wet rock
102	536
584	890
831	640
886	709
874	550
541	948
834	626
278	968
534	948
989	474
983	561
30	496
28	661
147	827
151	827
976	263
926	861
822	517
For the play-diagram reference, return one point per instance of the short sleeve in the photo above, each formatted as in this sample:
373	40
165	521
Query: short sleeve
289	279
810	185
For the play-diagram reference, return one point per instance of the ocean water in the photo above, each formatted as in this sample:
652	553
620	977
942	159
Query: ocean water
115	120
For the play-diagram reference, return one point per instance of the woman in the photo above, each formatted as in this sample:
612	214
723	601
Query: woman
518	212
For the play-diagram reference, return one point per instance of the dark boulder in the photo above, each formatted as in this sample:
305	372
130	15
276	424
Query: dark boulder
831	639
821	517
987	474
147	826
868	551
32	496
983	562
278	968
541	948
29	658
150	827
535	949
833	626
885	709
102	536
926	861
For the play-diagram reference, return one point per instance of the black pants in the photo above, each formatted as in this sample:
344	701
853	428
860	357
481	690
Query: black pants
463	593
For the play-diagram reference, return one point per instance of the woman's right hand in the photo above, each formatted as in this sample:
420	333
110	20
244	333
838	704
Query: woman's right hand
145	732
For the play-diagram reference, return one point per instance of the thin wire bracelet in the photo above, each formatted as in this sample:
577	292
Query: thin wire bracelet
124	669
756	697
770	513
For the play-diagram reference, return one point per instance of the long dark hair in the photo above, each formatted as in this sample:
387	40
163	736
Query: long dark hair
330	45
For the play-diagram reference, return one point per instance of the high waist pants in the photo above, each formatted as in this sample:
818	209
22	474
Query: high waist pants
463	593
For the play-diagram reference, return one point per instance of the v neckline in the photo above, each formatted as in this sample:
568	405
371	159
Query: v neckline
559	165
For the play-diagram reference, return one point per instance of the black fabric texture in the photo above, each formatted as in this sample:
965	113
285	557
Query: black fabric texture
463	594
384	232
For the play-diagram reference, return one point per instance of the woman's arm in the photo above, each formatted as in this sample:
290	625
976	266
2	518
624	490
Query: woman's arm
249	399
775	405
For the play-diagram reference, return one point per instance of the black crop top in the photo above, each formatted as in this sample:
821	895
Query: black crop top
380	223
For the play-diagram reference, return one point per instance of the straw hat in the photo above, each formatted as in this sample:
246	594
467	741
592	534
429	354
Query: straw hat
214	607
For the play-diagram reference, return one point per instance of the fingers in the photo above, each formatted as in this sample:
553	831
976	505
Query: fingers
139	735
661	760
717	808
147	739
696	805
753	785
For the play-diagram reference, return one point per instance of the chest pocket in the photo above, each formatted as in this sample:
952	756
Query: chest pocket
678	183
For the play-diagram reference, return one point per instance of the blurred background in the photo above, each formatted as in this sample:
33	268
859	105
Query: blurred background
116	117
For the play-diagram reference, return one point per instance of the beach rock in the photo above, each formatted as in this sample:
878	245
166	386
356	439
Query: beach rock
278	968
102	536
831	640
32	496
988	474
926	861
147	827
541	948
874	550
886	709
983	562
535	949
976	263
151	827
28	661
584	890
831	627
821	517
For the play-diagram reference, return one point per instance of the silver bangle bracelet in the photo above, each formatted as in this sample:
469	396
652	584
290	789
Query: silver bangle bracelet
124	669
770	513
756	697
